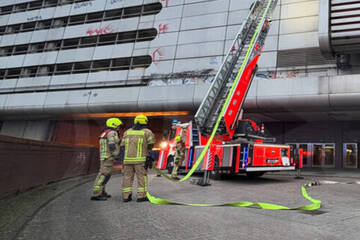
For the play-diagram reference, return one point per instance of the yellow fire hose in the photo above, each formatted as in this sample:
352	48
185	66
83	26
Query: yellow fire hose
316	204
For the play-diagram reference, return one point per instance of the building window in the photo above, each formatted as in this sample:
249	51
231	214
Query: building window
350	155
127	12
116	64
33	5
73	43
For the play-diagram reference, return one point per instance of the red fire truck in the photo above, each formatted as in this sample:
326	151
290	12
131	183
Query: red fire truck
238	145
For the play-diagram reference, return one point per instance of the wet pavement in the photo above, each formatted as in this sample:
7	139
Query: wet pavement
69	214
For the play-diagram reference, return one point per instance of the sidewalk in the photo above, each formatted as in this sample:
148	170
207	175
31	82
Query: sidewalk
321	172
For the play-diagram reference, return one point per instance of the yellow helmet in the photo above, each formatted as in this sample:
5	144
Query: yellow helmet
177	139
141	119
113	122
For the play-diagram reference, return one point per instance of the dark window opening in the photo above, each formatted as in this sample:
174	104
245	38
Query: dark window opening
88	41
13	73
94	17
2	73
13	29
50	3
60	22
71	43
63	68
78	19
34	48
35	5
107	38
20	7
126	37
6	51
141	62
29	72
132	11
28	26
152	9
52	46
6	10
115	14
20	49
145	35
102	65
2	30
121	64
45	70
82	67
44	24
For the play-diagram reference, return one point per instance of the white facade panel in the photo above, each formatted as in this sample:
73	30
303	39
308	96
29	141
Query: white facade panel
37	82
115	77
8	85
299	25
84	54
15	61
203	35
300	9
204	21
24	39
171	12
195	64
159	68
166	39
267	60
8	40
4	19
298	40
206	8
200	49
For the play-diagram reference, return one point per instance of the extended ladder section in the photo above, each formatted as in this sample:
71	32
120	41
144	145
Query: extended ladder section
233	79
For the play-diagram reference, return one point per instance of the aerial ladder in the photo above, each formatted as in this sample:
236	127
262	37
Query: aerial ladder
222	147
235	75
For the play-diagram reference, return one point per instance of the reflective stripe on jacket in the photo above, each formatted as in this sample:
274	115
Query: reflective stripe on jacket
136	144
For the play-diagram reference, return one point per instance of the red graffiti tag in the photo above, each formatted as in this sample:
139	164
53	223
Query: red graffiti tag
162	29
100	31
166	2
156	56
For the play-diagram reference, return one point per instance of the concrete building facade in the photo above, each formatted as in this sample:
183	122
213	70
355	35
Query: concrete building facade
62	58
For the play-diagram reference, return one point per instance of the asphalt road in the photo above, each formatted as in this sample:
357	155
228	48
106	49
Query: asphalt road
73	216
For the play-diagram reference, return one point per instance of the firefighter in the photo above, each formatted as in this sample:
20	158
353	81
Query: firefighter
109	149
137	142
179	156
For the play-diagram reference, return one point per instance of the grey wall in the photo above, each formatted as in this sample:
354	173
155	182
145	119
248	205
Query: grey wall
35	130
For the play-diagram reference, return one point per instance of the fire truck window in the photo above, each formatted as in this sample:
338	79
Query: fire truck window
284	152
172	134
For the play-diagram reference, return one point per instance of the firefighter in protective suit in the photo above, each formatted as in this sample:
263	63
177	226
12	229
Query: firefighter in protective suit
137	142
179	156
109	149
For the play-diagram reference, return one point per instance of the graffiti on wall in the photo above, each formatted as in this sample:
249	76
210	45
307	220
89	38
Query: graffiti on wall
99	31
182	78
34	18
166	2
82	4
278	74
116	1
157	55
163	28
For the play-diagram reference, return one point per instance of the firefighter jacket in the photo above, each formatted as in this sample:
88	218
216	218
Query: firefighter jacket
136	143
180	151
109	144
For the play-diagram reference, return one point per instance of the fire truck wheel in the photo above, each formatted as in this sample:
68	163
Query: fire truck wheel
215	173
254	174
170	164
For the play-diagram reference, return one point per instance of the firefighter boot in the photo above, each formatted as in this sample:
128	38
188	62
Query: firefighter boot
127	199
144	199
98	198
105	194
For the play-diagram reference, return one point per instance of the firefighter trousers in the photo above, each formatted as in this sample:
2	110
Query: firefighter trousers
103	176
129	171
178	164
